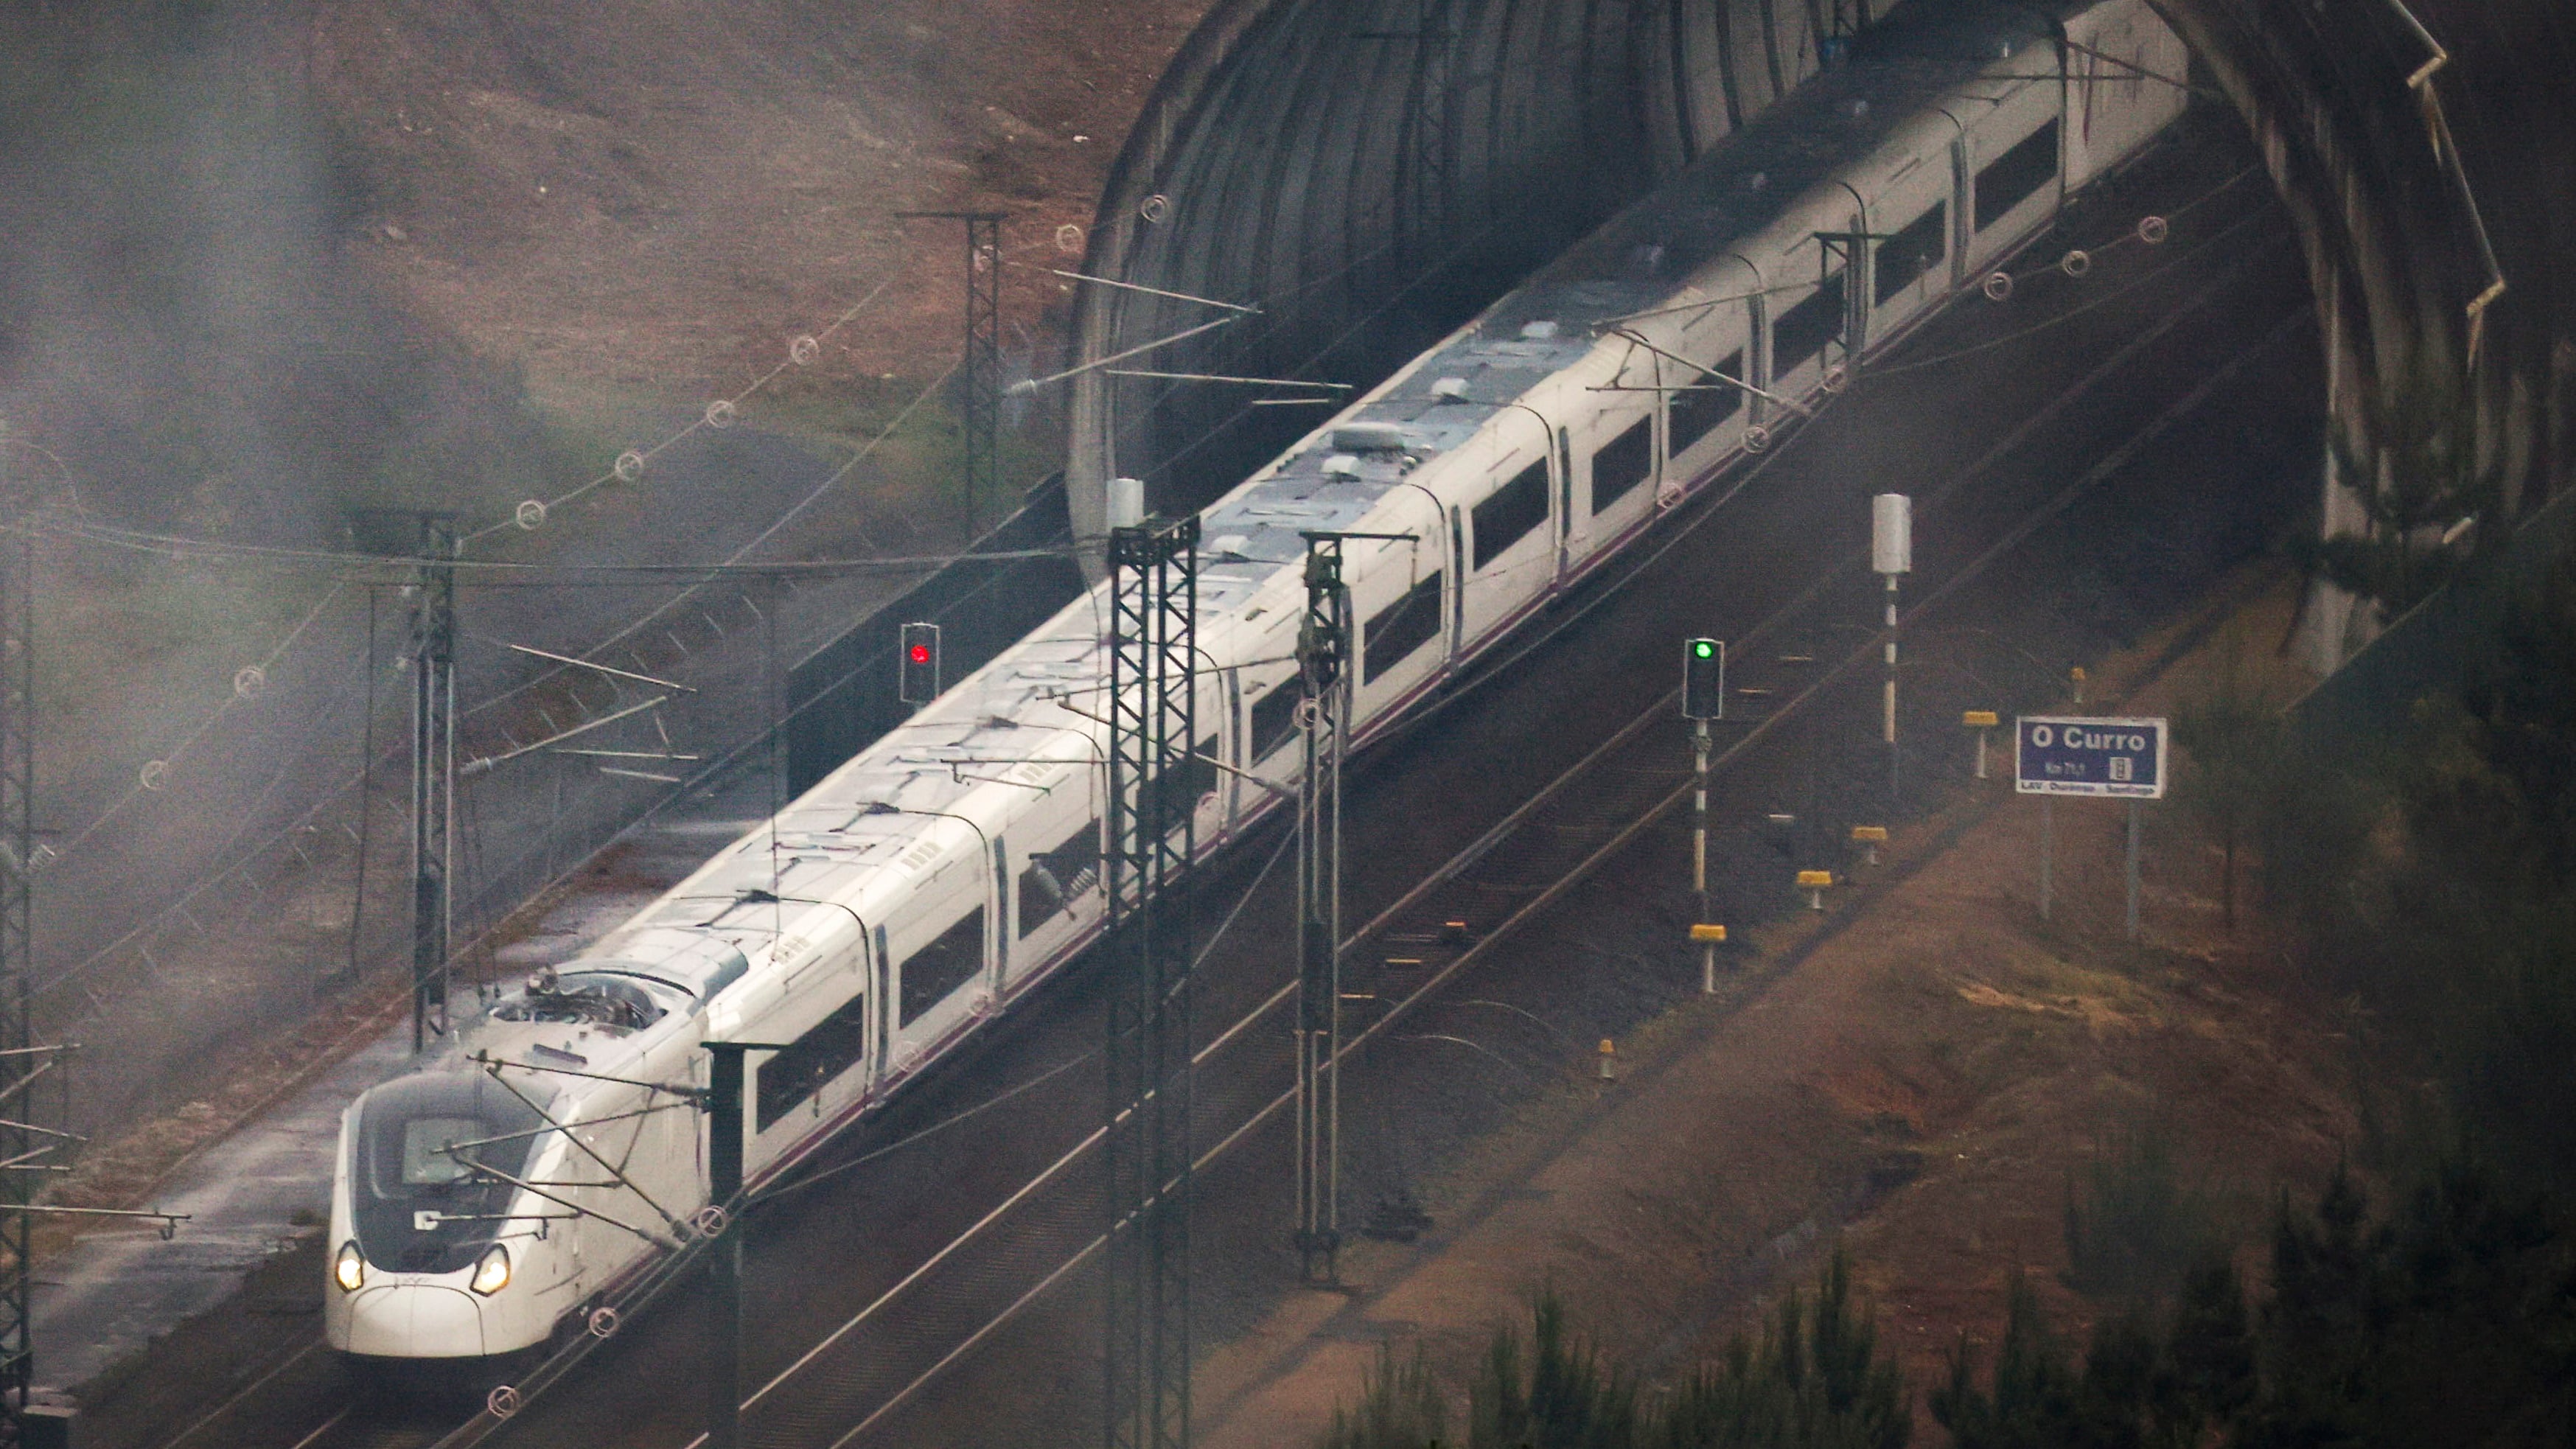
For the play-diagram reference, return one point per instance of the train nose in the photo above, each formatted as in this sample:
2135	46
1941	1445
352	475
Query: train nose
415	1320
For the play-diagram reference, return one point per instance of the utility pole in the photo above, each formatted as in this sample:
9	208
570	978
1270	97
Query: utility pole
20	1061
433	775
979	375
1891	547
25	1148
1323	647
1423	189
726	1083
1153	729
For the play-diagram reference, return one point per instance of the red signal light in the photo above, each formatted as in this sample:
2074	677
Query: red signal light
921	654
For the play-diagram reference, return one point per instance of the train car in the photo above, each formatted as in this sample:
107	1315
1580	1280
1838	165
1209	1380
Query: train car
558	1147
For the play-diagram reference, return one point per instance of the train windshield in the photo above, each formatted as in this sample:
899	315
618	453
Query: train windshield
423	1203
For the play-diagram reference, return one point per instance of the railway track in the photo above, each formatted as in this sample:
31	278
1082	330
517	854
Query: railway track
1544	856
858	1372
858	1375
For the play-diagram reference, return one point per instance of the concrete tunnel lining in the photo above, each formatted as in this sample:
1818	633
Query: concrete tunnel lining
1287	145
1280	143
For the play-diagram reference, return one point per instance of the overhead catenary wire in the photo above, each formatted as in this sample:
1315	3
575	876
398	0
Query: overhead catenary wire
691	578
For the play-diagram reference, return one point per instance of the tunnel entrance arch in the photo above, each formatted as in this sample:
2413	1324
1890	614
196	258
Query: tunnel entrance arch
1370	174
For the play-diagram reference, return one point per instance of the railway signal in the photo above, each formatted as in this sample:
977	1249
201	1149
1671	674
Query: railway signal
920	664
1703	679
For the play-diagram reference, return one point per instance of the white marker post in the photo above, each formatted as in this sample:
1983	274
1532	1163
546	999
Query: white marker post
1891	554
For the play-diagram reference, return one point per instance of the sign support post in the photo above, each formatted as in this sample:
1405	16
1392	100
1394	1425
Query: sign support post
2133	872
2047	848
2121	759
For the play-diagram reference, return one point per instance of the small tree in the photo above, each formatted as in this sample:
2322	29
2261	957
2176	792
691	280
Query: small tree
1400	1407
2423	429
2233	733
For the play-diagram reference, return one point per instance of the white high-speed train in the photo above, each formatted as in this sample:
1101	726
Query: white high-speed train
940	875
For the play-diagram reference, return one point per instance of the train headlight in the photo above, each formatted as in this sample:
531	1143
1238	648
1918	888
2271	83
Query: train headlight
349	1267
493	1273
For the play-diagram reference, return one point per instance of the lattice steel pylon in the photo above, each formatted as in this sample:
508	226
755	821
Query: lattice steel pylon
21	1061
433	775
1153	719
1427	172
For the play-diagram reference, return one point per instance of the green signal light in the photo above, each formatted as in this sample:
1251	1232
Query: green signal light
1704	648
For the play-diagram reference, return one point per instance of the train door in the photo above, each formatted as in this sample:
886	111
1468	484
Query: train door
2015	177
940	943
1617	463
1811	332
1909	188
821	1017
1400	602
1702	383
1506	547
1055	884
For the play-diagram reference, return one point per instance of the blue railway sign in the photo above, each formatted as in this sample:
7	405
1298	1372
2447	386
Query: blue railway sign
2116	757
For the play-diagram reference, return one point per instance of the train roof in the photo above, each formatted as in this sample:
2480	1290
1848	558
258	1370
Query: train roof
904	804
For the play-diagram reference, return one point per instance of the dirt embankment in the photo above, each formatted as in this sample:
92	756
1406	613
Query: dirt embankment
1930	1073
658	198
278	257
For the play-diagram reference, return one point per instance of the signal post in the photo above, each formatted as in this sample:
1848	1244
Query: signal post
1703	700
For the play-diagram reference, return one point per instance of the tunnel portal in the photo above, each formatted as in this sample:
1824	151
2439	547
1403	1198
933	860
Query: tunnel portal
1370	173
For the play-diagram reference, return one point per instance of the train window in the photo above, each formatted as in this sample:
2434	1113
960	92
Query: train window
1508	515
939	968
1697	409
1058	877
1274	717
793	1077
426	1162
1803	330
1623	463
2015	176
1915	248
1395	631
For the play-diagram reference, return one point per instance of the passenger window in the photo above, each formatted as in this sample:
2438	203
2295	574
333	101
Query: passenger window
1400	628
1056	878
1274	717
793	1077
1511	512
1915	249
1622	464
1803	330
1696	410
942	966
2013	177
